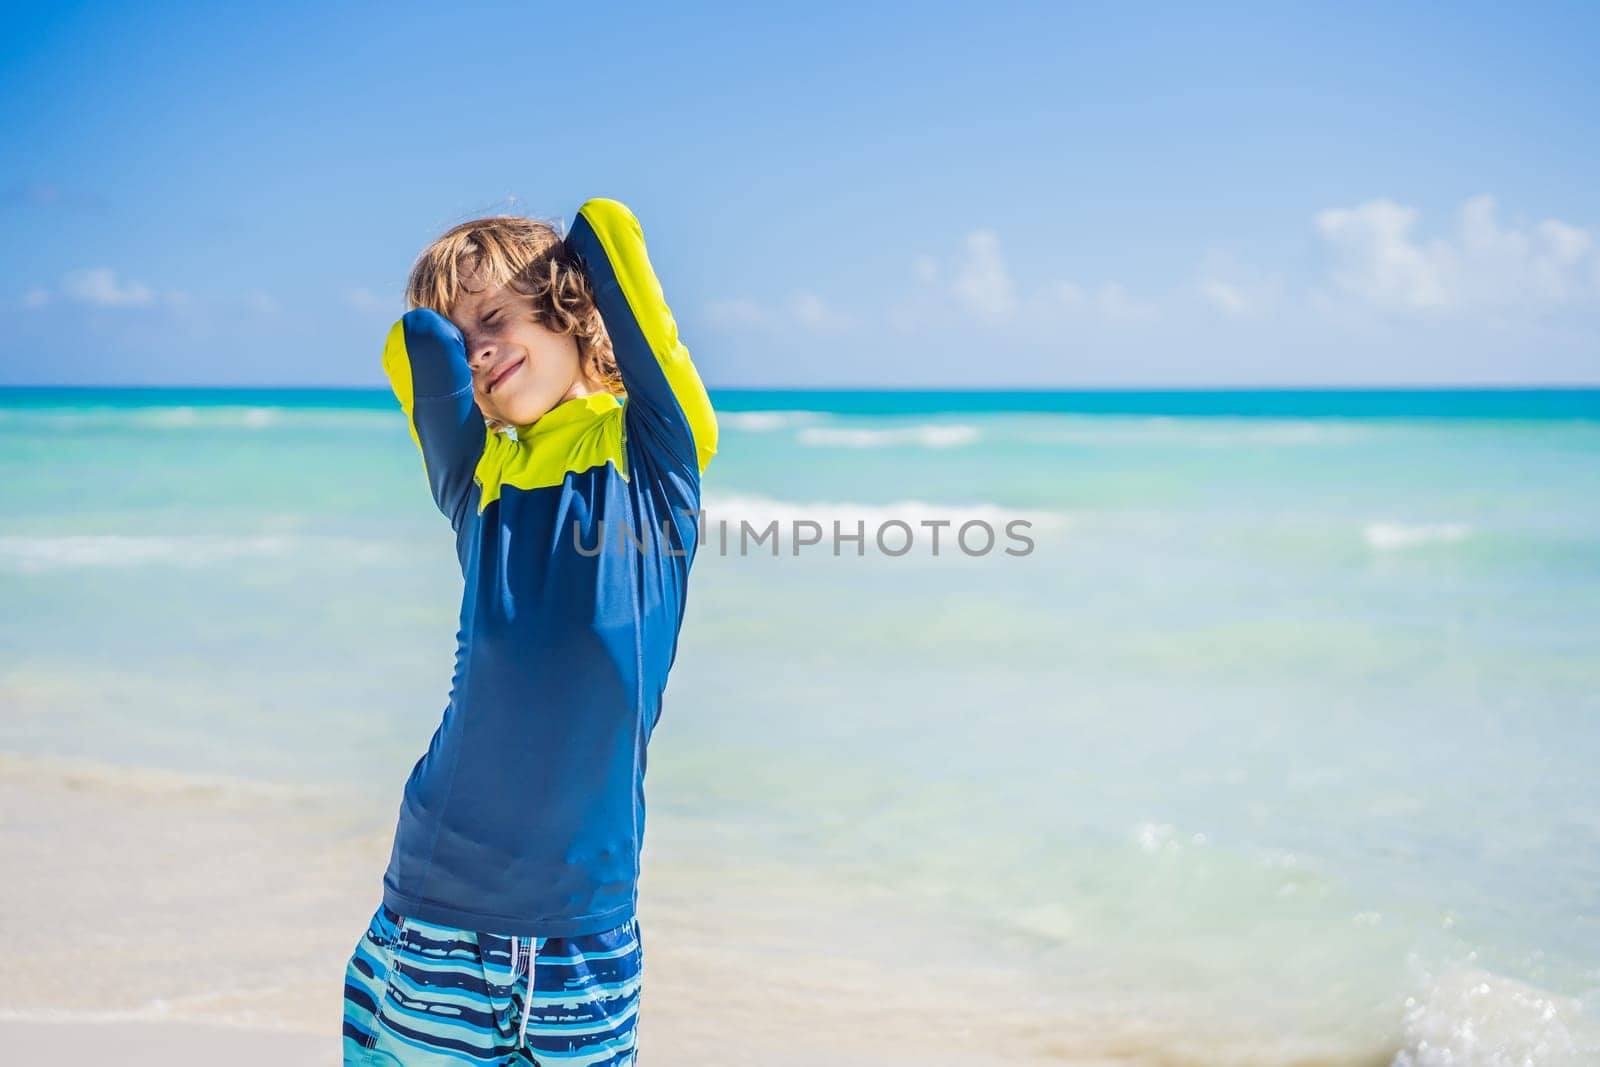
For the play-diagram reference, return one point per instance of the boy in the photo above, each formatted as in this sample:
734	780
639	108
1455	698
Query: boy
507	932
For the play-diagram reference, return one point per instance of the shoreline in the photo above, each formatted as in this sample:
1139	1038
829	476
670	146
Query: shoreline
146	891
142	928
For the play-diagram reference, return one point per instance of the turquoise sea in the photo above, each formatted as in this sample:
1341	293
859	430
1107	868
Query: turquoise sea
1288	722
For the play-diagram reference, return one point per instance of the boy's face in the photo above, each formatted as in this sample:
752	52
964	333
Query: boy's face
520	368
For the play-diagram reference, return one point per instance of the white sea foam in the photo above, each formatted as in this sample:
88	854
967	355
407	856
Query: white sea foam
42	553
1388	536
759	421
253	418
1210	432
926	435
1472	1018
755	509
192	417
71	551
1163	838
929	528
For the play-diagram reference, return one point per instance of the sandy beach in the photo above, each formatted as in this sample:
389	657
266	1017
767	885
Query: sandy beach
170	913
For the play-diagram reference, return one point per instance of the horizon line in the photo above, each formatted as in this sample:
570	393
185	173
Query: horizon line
1163	388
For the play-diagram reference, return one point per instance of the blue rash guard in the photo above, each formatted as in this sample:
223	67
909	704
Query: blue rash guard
526	814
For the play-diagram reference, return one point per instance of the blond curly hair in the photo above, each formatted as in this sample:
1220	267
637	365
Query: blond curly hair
530	257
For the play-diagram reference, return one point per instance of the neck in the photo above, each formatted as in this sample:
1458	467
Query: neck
584	386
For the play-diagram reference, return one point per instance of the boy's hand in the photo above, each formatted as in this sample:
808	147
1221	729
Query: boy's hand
424	358
668	407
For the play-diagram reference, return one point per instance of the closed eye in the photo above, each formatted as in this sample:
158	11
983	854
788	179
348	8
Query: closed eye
489	317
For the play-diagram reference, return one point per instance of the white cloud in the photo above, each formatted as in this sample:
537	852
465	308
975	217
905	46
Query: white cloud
976	278
261	303
813	313
1068	301
1481	269
804	310
368	302
1481	265
980	279
100	287
735	314
1233	291
1227	297
1069	295
1117	304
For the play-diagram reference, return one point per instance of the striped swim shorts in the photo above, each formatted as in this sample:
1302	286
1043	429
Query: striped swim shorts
422	995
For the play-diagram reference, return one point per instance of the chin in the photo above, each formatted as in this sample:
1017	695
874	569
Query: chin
523	410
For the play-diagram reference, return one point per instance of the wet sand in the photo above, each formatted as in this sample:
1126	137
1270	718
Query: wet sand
167	913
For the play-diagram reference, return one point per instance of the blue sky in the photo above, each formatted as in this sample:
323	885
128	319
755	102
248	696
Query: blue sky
980	195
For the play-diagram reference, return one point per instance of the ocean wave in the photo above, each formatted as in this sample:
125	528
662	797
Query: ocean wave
191	417
760	421
253	418
736	507
1164	839
1389	536
926	435
1207	432
37	554
1472	1018
897	528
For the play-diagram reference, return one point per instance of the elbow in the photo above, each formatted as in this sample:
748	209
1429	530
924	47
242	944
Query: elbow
705	441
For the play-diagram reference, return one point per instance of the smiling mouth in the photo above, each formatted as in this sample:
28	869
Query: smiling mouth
502	375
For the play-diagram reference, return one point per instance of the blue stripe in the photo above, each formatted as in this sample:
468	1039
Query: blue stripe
420	993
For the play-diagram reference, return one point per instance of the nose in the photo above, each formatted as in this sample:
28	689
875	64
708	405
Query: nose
479	354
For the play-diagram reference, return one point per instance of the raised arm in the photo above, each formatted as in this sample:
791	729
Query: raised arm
667	403
426	361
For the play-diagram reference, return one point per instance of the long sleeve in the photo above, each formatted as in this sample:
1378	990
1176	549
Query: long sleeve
667	408
425	359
